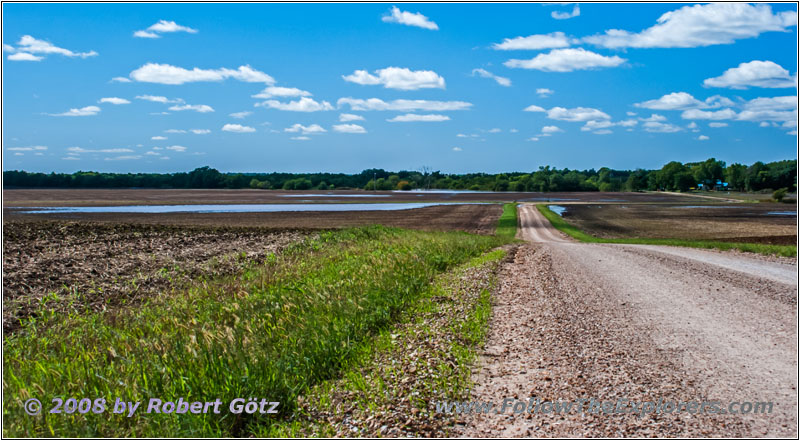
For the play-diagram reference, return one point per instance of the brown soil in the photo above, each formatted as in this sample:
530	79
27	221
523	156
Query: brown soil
103	197
95	267
481	219
729	222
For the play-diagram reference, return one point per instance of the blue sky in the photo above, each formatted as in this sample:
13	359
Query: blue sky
344	87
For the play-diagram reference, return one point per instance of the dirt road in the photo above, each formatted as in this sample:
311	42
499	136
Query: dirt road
643	323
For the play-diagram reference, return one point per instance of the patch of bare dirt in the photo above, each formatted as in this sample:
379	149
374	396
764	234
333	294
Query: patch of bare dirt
77	266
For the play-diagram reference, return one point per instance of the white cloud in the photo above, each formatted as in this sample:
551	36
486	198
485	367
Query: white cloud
121	80
534	108
603	132
717	125
201	108
412	117
176	148
158	138
566	60
660	127
345	117
409	19
158	99
300	138
495	130
8	48
27	149
654	117
456	149
576	11
628	123
201	131
240	115
707	114
400	78
753	74
403	105
349	128
83	150
283	92
168	74
596	125
701	25
83	111
175	131
114	100
673	101
553	40
304	104
124	158
163	26
486	74
305	130
577	114
237	128
532	139
24	56
703	138
544	92
551	129
780	109
28	45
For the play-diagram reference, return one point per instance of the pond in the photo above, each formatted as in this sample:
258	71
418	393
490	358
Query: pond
232	208
557	209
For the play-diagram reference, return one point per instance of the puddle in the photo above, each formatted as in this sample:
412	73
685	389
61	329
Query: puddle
782	213
233	208
557	209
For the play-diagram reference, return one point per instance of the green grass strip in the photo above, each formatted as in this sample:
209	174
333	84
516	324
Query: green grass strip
507	224
562	225
272	332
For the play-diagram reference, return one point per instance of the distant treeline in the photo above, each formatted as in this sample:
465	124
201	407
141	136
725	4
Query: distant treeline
673	176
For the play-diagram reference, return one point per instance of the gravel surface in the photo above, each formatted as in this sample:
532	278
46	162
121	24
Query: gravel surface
577	320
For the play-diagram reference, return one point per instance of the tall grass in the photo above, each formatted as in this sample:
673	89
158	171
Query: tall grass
507	224
270	333
575	232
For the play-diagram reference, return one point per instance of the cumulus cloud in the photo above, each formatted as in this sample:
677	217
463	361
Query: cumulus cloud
27	46
174	75
305	130
24	56
456	149
114	100
701	25
124	158
566	60
708	114
349	128
83	111
717	125
551	129
544	92
300	138
163	26
534	108
345	117
176	148
779	109
412	117
158	99
304	104
240	115
753	74
121	80
175	131
201	108
158	138
703	138
660	127
237	128
398	78
684	101
409	19
577	114
486	74
576	11
553	40
281	92
201	131
402	105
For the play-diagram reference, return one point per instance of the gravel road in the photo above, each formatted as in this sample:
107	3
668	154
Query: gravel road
606	321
